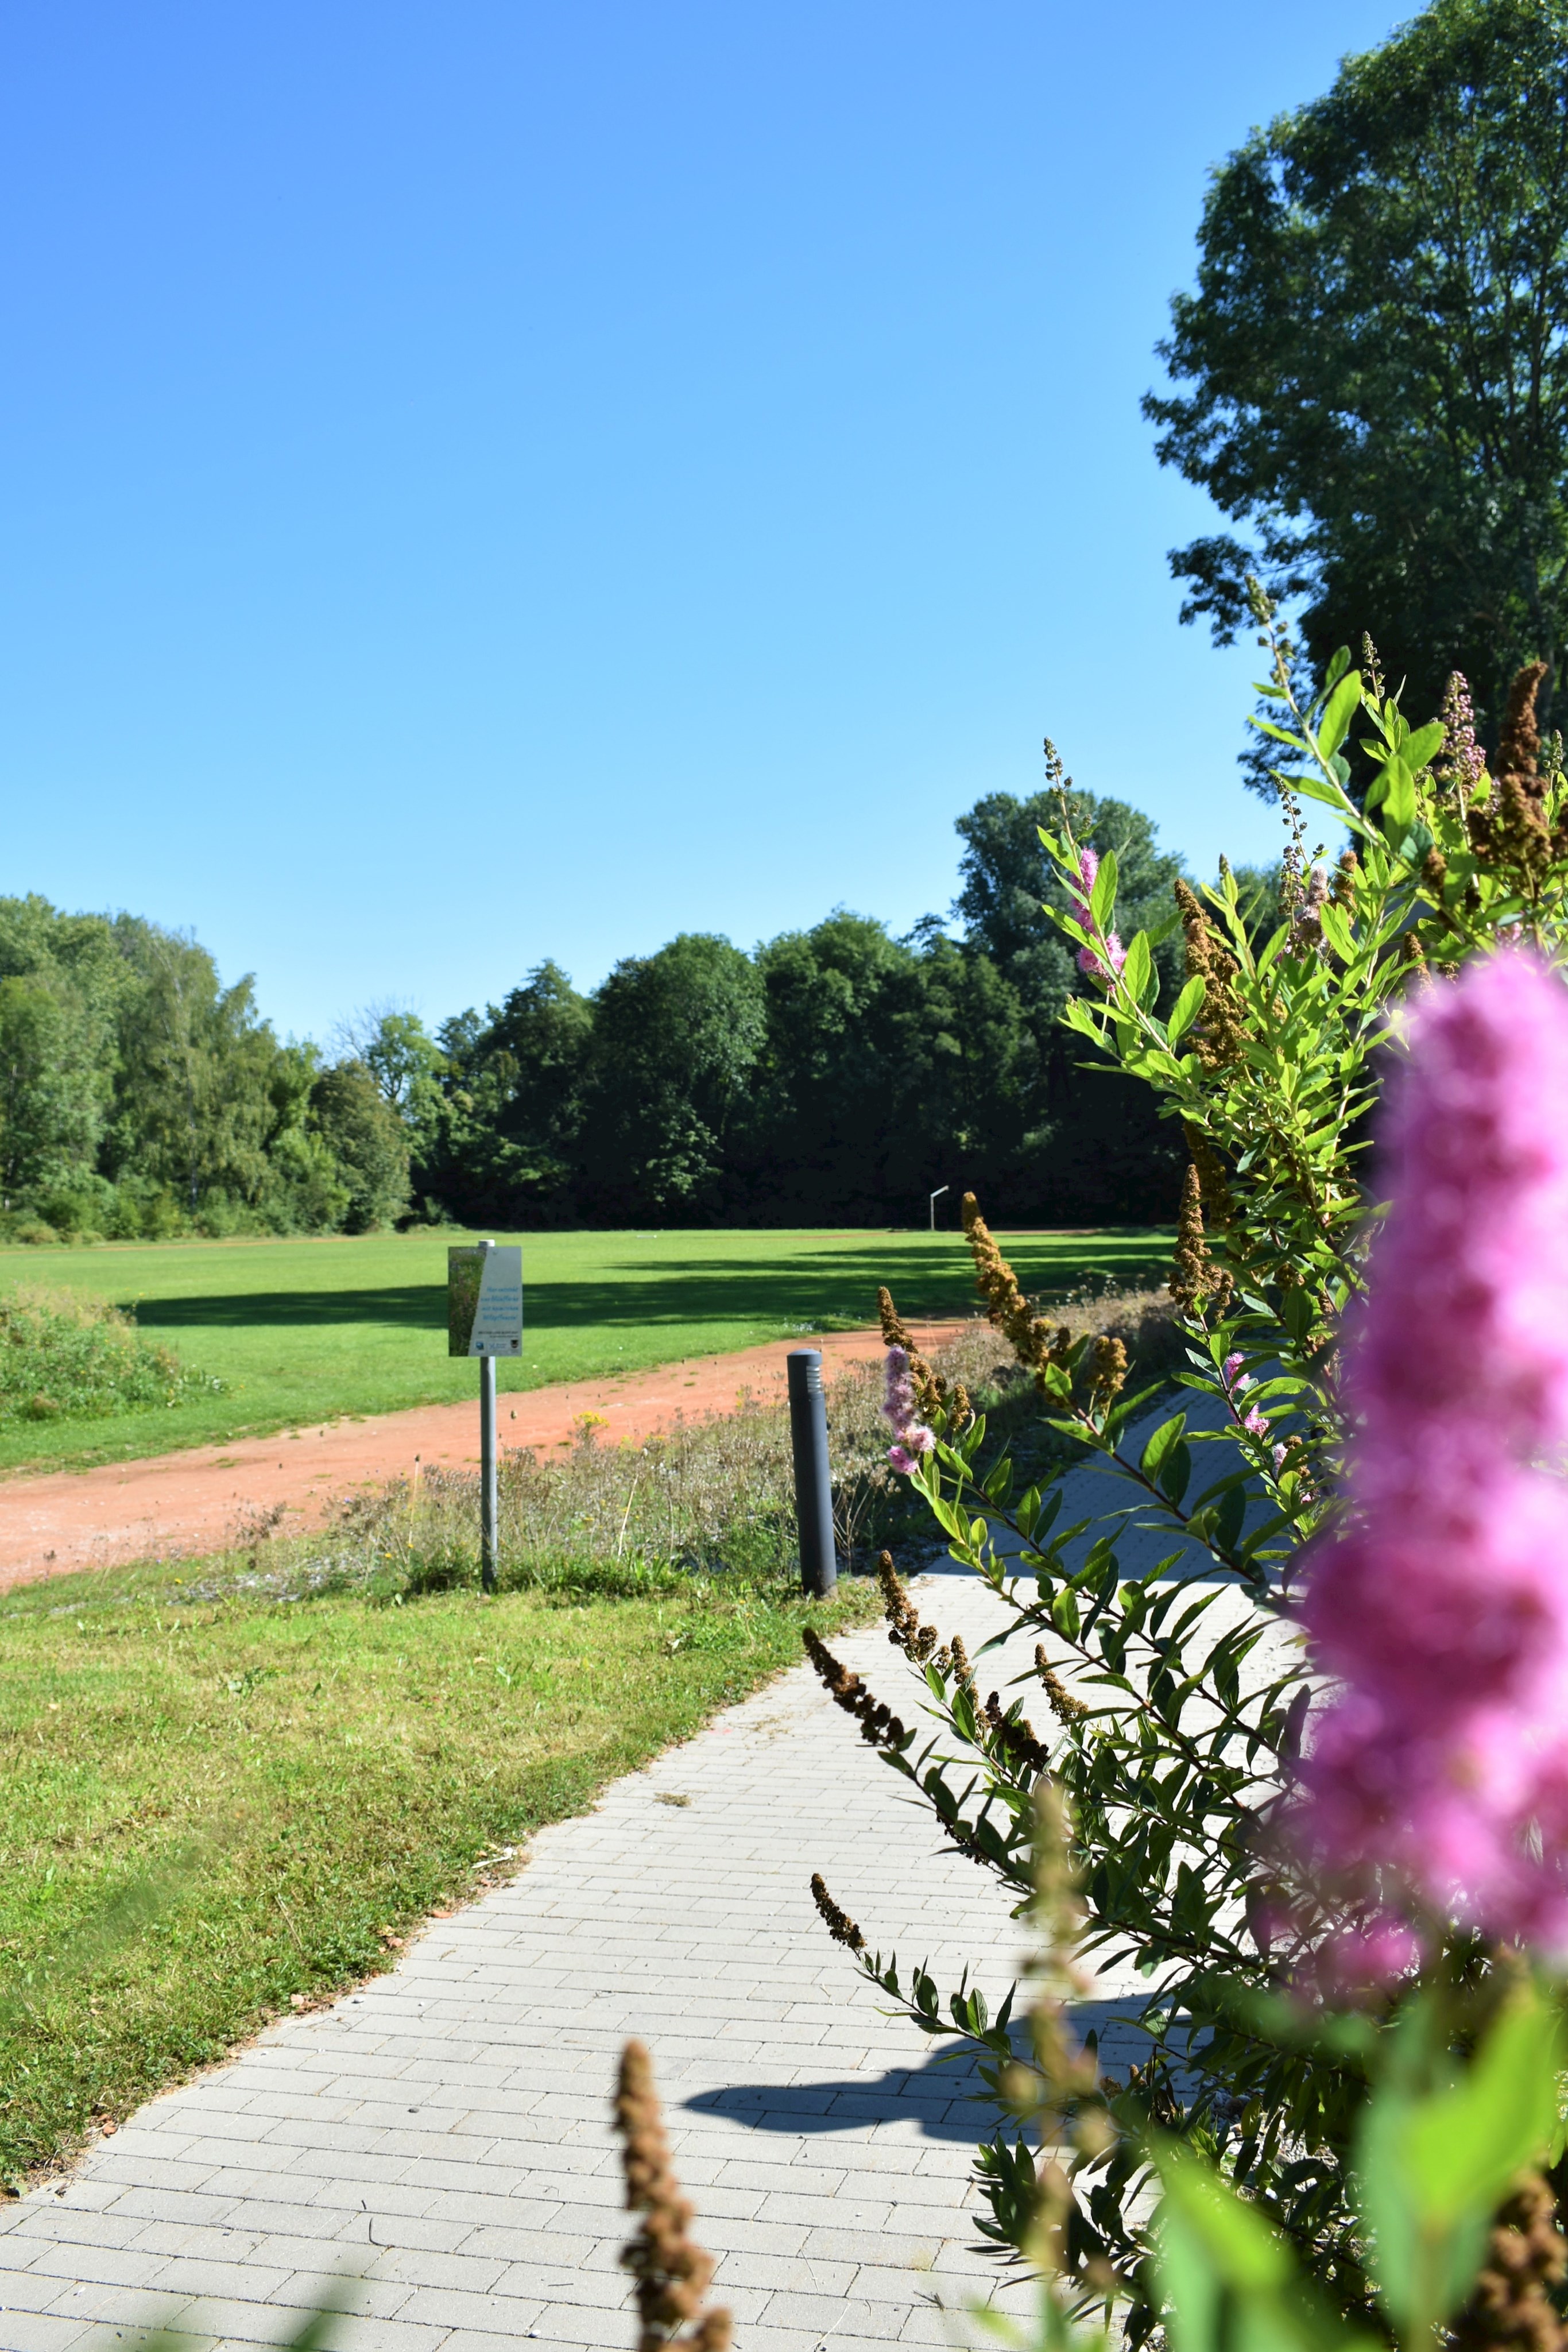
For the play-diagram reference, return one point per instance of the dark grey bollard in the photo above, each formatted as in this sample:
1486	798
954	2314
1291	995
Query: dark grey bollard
813	1485
488	1498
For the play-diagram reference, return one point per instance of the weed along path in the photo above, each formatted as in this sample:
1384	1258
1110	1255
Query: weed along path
214	1496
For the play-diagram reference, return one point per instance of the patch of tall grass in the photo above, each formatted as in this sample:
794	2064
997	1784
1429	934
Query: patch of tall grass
711	1500
63	1355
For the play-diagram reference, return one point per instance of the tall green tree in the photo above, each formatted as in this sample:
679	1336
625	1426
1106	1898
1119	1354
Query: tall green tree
60	992
196	1101
368	1142
890	1066
504	1146
1377	358
676	1040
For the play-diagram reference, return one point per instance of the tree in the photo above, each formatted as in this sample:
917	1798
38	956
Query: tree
402	1057
59	990
1378	356
195	1106
1093	1145
503	1147
50	1108
366	1138
890	1066
675	1039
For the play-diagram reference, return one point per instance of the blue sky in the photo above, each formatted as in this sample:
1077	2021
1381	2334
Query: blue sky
492	481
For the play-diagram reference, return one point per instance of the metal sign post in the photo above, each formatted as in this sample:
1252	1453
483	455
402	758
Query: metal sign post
932	1204
813	1482
484	1318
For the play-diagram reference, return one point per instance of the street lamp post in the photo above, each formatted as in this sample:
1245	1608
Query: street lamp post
932	1204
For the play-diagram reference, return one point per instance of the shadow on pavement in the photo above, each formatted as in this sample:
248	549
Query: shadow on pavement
946	2097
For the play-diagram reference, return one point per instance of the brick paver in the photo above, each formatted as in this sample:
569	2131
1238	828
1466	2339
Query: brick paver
437	2145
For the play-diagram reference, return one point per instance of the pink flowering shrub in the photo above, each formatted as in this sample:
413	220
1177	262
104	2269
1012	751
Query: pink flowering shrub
910	1434
1089	859
1441	1605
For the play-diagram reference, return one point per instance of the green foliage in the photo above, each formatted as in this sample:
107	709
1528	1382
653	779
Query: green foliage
140	1099
1441	2142
1377	358
1179	1709
66	1358
675	1039
501	1142
837	1074
368	1142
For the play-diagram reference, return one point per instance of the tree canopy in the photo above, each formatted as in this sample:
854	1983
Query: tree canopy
1377	358
836	1075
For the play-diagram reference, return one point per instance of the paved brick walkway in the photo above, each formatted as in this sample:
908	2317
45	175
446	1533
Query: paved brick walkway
440	2140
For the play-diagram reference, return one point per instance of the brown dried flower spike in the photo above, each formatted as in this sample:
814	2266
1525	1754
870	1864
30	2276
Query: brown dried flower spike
930	1388
672	2272
1527	2259
1006	1309
1189	1280
1219	1028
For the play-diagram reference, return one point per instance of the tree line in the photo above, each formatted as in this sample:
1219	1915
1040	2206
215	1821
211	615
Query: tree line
833	1075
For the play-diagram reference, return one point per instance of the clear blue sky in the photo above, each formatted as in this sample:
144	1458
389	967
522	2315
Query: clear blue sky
491	480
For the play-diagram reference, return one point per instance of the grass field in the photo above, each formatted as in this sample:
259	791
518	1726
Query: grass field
213	1805
310	1330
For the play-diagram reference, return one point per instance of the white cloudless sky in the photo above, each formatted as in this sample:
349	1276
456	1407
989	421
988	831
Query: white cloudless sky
491	480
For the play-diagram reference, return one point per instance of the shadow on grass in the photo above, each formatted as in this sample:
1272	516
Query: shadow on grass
830	1285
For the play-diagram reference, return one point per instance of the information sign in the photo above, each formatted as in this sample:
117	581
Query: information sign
484	1301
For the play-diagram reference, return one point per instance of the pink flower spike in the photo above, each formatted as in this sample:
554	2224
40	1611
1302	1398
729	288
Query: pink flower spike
1440	1609
1089	962
1230	1367
898	1400
1370	1958
1255	1425
905	1463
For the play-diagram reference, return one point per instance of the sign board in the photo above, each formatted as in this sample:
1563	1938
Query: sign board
484	1301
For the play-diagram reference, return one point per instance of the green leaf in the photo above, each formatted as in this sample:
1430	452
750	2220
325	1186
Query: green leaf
1424	746
1162	1445
1138	971
1341	709
1338	665
1103	898
1242	2248
1185	1011
1267	727
1315	788
1064	1612
1466	2145
1227	2282
1431	2171
1394	791
1175	1472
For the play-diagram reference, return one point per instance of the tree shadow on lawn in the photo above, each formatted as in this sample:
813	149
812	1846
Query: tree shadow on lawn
827	1286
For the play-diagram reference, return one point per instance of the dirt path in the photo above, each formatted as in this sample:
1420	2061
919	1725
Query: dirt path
213	1495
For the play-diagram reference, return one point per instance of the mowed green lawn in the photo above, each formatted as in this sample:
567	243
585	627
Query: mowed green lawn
217	1805
309	1331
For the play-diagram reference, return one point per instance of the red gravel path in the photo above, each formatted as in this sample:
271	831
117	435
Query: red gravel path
205	1498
